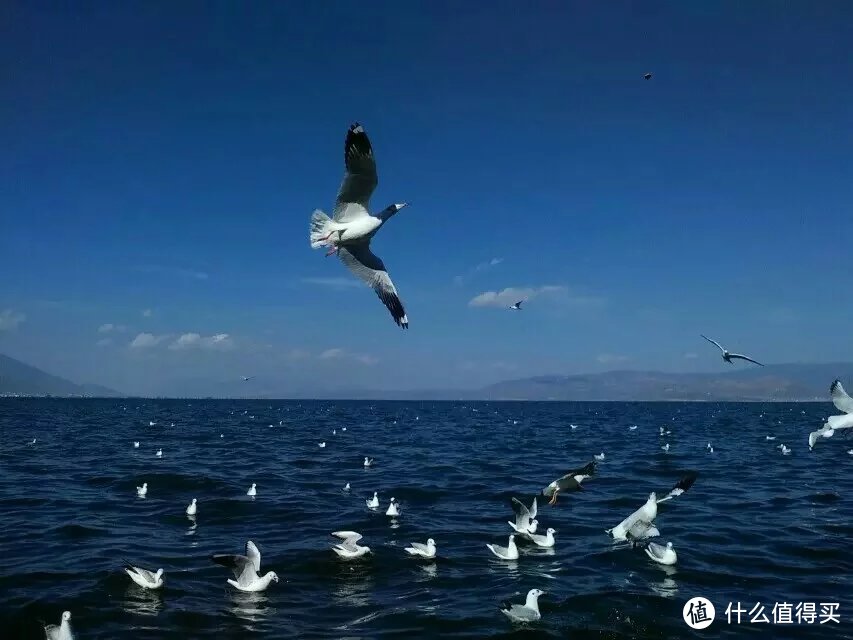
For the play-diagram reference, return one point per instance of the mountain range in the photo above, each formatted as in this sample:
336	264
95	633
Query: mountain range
780	382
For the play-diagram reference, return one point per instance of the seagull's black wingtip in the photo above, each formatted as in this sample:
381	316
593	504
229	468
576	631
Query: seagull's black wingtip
834	386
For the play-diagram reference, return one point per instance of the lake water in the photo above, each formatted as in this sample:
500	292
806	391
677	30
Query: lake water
757	526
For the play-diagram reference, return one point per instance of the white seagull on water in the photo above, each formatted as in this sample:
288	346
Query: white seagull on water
351	228
145	578
728	357
423	550
141	491
527	612
373	503
192	509
393	509
61	632
245	568
509	552
349	549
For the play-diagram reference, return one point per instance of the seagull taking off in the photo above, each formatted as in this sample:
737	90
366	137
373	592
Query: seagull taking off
145	578
642	520
525	519
423	550
61	632
527	612
569	482
842	402
349	549
245	568
352	227
728	357
517	306
509	552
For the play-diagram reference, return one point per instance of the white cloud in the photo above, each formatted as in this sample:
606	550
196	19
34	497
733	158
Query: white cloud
146	313
10	319
609	358
690	355
335	283
146	340
219	341
511	295
332	354
104	342
483	266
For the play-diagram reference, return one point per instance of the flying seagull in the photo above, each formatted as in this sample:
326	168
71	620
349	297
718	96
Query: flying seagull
351	228
569	482
640	524
525	519
247	378
517	306
728	357
245	568
842	402
647	76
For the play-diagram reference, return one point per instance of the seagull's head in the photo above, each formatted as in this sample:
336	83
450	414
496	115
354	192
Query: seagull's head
66	616
272	576
430	542
535	593
159	574
653	497
551	530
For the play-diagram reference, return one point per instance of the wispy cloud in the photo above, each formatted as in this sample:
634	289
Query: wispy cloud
511	295
10	319
187	274
109	327
146	341
147	313
337	353
219	341
335	283
483	266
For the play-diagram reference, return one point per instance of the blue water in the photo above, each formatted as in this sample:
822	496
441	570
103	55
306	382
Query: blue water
756	527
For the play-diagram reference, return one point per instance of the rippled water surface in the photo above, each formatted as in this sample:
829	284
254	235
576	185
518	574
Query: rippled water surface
756	526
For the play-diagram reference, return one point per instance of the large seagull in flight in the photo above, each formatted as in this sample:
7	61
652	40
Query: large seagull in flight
351	228
728	357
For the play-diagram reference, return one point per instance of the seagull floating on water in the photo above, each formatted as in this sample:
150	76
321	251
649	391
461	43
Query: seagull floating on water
141	491
423	550
136	444
509	552
769	437
658	552
599	456
346	487
253	490
349	549
192	508
352	227
367	461
392	509
159	453
145	578
151	423
641	522
246	568
525	519
569	482
61	632
632	428
785	450
517	306
373	503
728	357
666	447
527	612
547	541
322	445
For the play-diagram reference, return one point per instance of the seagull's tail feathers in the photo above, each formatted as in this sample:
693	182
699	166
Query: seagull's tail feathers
320	224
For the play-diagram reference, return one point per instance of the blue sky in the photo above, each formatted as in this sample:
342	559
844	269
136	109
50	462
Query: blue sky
160	164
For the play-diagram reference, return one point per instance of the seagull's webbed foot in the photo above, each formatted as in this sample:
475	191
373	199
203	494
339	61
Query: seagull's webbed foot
553	499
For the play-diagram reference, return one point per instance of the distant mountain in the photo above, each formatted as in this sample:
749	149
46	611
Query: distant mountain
782	382
17	377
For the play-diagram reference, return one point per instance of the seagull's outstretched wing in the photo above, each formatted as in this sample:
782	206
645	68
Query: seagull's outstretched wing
522	510
366	265
350	538
840	399
359	178
147	575
420	546
253	554
719	346
738	356
518	304
242	567
681	486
